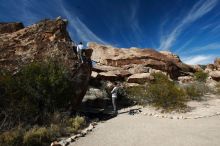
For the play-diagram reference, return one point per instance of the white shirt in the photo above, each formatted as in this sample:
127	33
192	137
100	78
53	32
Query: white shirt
79	47
114	92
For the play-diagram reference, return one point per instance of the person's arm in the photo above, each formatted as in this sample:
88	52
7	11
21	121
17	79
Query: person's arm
113	90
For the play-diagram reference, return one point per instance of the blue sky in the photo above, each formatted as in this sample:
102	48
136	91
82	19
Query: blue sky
189	28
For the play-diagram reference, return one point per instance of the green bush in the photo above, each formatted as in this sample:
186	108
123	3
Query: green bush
37	90
44	135
138	94
195	91
218	88
201	76
74	124
161	92
37	136
165	94
12	137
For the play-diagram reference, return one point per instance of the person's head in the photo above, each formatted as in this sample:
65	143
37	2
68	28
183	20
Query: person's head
116	84
80	43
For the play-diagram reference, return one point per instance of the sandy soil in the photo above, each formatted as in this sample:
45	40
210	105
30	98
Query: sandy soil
144	129
140	130
210	106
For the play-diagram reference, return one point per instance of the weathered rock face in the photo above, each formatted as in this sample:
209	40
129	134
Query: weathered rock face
197	68
136	60
10	27
46	39
95	97
171	56
209	68
215	75
217	63
185	79
140	78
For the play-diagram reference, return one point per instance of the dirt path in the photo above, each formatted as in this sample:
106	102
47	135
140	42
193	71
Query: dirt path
141	130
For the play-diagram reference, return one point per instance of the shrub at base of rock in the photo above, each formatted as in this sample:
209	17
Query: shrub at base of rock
201	76
42	136
195	91
37	90
218	88
161	92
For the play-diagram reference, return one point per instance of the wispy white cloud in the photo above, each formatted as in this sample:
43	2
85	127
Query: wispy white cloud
131	20
212	27
77	27
216	28
199	59
201	8
187	43
82	31
208	26
208	47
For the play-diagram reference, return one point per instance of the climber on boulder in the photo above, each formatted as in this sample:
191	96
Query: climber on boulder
80	50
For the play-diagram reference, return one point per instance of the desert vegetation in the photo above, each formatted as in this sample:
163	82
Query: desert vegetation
33	105
218	88
166	94
200	76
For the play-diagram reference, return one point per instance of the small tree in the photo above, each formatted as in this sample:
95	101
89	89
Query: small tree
38	89
201	76
165	93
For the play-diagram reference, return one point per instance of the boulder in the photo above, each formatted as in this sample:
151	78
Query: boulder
209	68
48	39
211	83
120	57
131	84
112	75
185	79
140	78
94	74
139	69
197	68
121	73
171	55
104	68
107	76
215	75
95	97
217	63
10	27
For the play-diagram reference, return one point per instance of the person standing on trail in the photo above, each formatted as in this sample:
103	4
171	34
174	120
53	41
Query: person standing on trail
80	51
114	93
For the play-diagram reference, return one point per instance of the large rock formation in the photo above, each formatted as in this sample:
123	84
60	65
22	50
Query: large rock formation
215	75
217	63
214	70
140	78
46	39
135	61
10	27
